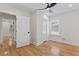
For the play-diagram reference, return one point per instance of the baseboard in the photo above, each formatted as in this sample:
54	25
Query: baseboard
36	43
39	43
74	44
22	45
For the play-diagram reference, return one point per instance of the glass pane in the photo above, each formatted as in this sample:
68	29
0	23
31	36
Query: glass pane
55	26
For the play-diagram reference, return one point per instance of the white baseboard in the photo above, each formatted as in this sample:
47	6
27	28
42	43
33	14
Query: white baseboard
62	41
22	45
39	43
36	43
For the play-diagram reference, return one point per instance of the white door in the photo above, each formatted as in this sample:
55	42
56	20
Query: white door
22	31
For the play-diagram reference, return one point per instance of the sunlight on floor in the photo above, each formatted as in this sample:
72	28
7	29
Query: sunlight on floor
54	51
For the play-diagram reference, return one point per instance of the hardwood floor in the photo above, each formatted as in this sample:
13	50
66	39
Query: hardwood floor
49	48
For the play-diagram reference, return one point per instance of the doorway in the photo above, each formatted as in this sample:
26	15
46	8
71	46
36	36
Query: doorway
7	29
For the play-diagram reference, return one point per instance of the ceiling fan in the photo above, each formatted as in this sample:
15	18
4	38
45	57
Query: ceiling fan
49	5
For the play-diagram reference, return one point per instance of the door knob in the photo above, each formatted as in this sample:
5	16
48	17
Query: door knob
28	32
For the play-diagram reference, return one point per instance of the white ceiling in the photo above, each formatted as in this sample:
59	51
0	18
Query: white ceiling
64	7
27	6
57	9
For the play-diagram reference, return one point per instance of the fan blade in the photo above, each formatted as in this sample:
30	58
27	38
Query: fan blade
48	6
52	4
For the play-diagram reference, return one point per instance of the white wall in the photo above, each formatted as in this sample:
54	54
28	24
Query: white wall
0	29
37	27
33	25
69	26
7	9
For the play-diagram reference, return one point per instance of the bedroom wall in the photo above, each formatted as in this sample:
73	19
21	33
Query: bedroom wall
37	36
33	27
0	28
7	9
69	26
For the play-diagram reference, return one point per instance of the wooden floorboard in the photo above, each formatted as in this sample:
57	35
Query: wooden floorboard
49	48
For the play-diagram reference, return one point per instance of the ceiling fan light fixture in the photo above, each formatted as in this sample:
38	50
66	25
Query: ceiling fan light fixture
70	5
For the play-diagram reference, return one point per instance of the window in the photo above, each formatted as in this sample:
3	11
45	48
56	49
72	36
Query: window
54	27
